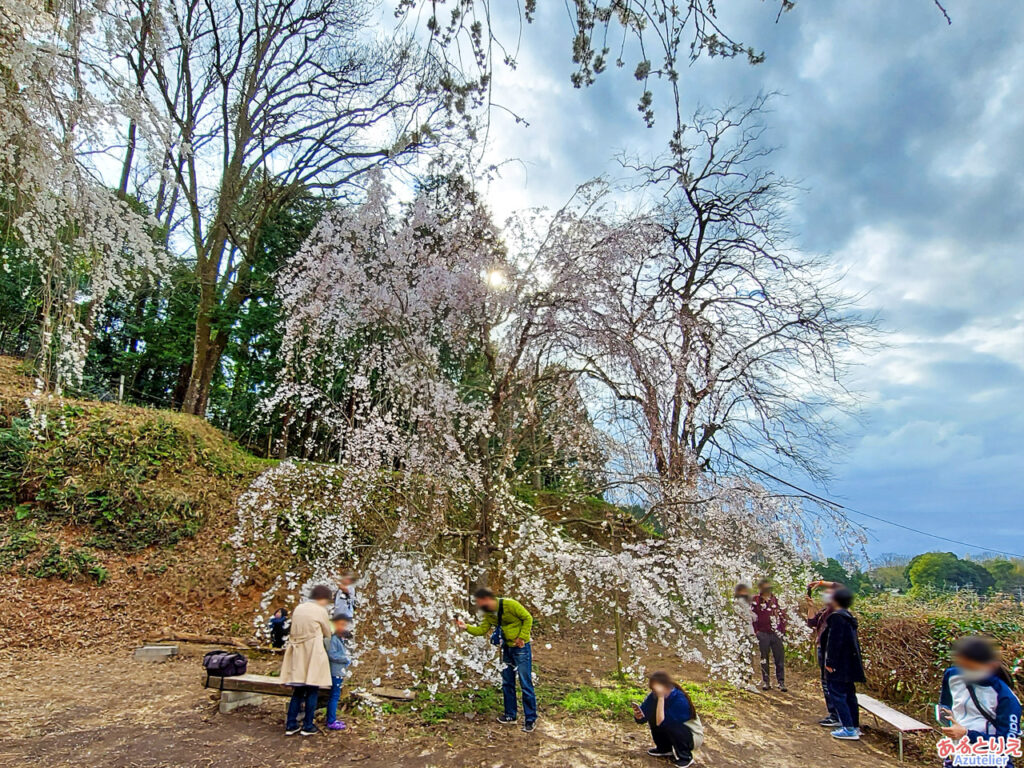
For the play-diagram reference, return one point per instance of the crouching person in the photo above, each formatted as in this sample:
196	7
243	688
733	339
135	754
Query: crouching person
337	653
675	726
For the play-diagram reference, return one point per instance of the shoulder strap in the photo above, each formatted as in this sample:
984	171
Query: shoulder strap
984	712
501	608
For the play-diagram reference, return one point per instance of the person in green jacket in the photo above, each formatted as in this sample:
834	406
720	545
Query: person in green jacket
516	655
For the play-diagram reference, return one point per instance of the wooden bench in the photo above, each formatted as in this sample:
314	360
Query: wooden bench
901	722
249	690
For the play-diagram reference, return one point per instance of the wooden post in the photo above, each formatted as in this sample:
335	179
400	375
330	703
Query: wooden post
618	639
618	617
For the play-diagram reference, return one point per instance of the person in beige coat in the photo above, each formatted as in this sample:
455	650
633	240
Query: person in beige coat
306	666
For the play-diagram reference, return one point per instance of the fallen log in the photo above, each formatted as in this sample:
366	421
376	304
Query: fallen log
168	635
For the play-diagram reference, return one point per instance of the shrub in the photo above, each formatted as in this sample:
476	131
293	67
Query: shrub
18	543
15	444
907	641
69	565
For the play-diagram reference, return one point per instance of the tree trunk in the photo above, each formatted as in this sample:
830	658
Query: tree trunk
204	364
203	359
483	545
126	166
208	346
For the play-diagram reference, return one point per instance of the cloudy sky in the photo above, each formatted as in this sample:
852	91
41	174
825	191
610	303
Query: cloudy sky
907	135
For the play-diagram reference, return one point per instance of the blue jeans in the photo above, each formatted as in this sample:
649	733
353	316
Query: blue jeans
332	703
302	696
844	699
518	663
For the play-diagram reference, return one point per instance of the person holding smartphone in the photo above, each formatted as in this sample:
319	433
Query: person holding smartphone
844	665
977	699
675	726
817	620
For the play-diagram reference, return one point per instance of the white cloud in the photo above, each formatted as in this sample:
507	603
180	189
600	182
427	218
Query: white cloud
921	445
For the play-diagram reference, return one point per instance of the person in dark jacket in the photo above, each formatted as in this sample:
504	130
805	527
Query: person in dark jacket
278	628
673	721
977	695
844	665
816	619
769	626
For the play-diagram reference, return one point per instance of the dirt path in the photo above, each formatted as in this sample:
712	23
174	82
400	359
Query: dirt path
88	709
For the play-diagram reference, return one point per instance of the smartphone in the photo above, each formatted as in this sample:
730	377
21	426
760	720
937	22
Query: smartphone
943	716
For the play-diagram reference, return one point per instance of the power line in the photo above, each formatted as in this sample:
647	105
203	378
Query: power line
837	505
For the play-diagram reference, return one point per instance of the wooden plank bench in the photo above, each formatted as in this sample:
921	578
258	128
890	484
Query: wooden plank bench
249	690
901	722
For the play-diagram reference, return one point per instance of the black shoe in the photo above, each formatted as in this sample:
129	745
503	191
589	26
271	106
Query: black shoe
506	720
829	722
529	727
783	688
313	732
291	731
766	687
683	762
655	752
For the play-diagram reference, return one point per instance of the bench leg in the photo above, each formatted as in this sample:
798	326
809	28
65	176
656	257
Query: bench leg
232	700
900	737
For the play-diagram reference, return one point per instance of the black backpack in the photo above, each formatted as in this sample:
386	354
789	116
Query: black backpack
225	664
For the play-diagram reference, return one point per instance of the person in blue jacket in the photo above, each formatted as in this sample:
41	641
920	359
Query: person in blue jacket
674	724
977	695
337	653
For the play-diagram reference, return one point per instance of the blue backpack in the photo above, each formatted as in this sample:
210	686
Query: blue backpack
497	636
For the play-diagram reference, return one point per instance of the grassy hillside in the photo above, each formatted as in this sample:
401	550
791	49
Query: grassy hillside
139	501
82	479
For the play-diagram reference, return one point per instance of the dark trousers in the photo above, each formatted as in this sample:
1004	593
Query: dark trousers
518	666
277	635
675	738
844	699
770	643
303	696
824	685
